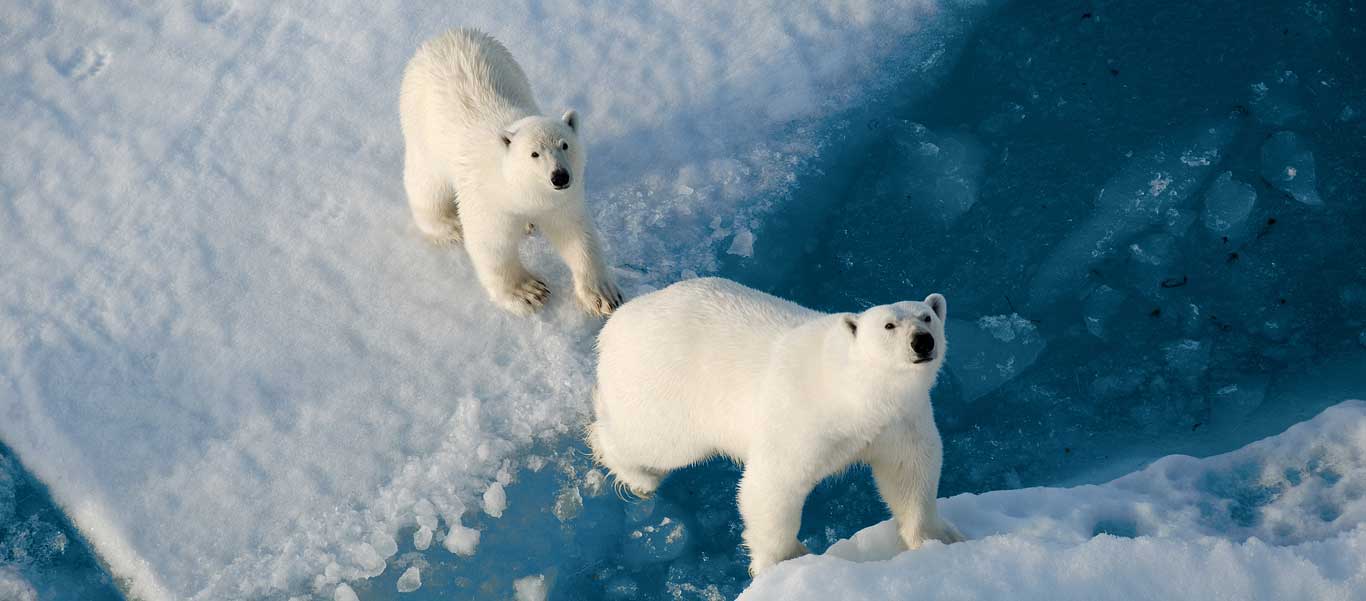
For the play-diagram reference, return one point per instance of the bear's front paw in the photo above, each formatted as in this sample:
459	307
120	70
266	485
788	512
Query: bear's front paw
600	298
760	561
939	529
526	297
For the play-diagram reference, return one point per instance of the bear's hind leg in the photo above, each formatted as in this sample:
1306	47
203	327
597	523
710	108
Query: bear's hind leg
433	203
641	481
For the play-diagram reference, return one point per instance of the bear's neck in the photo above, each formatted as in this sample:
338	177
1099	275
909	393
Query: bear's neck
878	392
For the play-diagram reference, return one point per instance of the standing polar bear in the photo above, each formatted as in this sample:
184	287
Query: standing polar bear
482	167
708	367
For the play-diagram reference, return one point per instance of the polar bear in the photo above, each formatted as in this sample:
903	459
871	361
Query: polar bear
708	367
483	167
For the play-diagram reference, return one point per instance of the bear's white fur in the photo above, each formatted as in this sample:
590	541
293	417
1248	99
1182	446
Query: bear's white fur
471	126
708	367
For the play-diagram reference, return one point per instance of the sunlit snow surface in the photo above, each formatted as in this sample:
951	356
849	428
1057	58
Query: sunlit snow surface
1283	518
224	346
241	374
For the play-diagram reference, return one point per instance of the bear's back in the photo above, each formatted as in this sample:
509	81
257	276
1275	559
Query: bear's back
468	79
709	327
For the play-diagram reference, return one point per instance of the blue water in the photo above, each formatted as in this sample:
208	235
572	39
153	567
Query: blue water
1094	331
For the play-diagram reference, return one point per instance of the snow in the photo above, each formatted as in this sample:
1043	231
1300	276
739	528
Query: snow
213	288
13	586
226	351
1282	518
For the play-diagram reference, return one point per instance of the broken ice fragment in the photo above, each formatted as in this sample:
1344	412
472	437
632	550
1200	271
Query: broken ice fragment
422	538
495	500
568	504
1288	165
344	593
410	581
742	244
461	540
1099	307
1227	205
991	350
531	588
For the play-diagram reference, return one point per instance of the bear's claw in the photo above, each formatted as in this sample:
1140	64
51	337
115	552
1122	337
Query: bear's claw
600	300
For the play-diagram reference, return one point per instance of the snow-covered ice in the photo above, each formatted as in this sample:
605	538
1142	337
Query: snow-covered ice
1283	518
213	288
209	338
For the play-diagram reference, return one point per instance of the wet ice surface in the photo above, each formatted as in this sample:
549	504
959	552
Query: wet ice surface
1147	220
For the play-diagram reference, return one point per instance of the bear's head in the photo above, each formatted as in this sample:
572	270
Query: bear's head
908	335
544	155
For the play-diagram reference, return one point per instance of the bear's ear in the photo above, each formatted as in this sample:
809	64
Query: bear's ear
506	137
571	118
850	323
938	305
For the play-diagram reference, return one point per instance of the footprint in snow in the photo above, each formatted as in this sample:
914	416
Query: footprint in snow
80	63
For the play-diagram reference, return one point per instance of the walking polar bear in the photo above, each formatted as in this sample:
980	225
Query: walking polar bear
483	167
708	367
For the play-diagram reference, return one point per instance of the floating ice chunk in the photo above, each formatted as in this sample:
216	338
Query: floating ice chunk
343	592
1157	250
936	174
1348	114
568	504
1154	188
1227	205
1100	305
461	540
495	500
742	244
426	514
422	538
658	541
367	559
991	350
410	581
1361	338
593	482
383	544
531	588
1288	165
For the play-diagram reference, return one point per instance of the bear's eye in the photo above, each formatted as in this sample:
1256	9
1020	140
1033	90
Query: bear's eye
925	319
564	145
535	155
890	326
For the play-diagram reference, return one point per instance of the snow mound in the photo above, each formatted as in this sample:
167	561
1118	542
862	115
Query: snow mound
1282	518
227	351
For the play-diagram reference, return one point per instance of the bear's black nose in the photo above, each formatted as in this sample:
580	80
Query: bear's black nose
922	343
560	179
